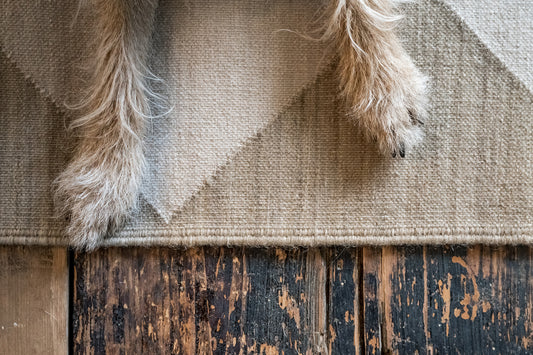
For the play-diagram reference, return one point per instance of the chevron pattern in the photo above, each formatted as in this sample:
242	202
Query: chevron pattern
257	149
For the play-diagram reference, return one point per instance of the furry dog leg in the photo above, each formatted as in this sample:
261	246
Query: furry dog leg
100	185
383	89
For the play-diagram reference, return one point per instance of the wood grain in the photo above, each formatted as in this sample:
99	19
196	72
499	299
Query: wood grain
33	300
449	300
200	301
346	322
398	300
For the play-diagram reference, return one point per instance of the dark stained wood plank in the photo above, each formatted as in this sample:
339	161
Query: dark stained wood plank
33	300
305	301
372	295
286	303
200	301
450	300
138	301
345	306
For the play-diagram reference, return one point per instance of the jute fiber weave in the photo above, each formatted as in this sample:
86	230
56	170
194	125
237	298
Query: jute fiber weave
257	149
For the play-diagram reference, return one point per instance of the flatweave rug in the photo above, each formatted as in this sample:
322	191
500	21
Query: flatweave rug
257	149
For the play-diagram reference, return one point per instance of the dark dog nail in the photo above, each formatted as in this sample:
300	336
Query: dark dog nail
412	117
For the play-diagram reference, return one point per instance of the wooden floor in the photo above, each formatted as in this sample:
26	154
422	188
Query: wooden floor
400	300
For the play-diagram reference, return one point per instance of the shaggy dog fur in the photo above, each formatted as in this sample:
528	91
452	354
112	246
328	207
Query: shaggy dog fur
383	90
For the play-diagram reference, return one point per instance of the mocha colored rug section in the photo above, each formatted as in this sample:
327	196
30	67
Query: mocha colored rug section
257	149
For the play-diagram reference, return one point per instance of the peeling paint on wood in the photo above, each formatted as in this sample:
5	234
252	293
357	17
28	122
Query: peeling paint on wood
345	295
201	301
473	300
397	300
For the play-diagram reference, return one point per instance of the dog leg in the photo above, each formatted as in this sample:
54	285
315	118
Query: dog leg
100	185
383	89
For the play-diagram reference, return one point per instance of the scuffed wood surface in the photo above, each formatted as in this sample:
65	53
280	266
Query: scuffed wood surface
398	300
448	300
392	300
33	300
345	302
200	301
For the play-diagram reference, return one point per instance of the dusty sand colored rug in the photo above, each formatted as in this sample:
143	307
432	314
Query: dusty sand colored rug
257	150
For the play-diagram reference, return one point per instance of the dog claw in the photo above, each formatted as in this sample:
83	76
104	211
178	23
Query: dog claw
414	119
402	150
412	116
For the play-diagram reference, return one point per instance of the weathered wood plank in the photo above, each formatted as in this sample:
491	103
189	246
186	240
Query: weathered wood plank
450	300
372	295
273	301
345	302
286	303
200	301
33	300
137	301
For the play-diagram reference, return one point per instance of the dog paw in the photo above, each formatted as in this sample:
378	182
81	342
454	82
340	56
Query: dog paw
96	198
395	116
83	234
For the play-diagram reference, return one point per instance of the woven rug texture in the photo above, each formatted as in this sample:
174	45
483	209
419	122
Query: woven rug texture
257	149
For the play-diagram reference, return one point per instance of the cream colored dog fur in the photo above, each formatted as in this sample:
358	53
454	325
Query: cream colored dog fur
383	91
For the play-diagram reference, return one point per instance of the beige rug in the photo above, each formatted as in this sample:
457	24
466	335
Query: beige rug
257	151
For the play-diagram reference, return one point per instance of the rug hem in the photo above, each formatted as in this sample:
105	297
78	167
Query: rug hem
288	237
